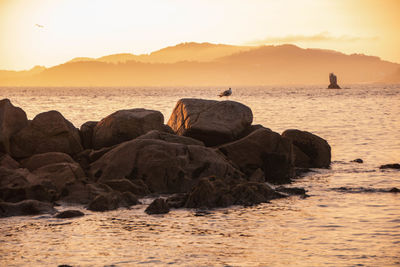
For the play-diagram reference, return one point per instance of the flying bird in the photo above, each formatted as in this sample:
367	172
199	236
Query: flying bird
39	26
226	93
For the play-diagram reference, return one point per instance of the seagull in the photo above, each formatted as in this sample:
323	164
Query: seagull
226	93
39	26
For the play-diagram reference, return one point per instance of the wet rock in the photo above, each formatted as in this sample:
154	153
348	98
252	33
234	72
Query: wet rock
104	202
394	190
314	147
390	166
83	193
70	214
8	162
171	138
212	122
47	132
158	206
262	149
26	207
125	125
128	199
291	190
177	201
39	160
358	161
12	120
125	185
210	192
333	82
86	133
251	193
164	167
300	172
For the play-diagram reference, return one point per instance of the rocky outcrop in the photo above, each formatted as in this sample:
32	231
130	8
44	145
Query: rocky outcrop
125	125
26	207
47	132
164	167
265	150
158	206
333	82
212	122
312	151
12	120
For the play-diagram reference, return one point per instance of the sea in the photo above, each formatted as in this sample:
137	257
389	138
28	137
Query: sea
349	218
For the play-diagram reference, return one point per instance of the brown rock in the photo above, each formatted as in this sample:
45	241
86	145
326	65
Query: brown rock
314	147
213	122
70	214
164	167
26	207
158	206
125	125
47	132
171	138
39	160
265	150
8	162
12	120
86	133
124	185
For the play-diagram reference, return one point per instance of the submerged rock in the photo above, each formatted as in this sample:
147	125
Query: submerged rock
47	132
357	161
12	120
212	122
312	152
70	214
125	125
158	206
390	166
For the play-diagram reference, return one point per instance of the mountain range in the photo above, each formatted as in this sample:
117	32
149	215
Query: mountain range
206	64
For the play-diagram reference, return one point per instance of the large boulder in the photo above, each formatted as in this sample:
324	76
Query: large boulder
213	122
47	132
312	152
125	125
262	149
26	207
12	120
39	160
171	138
158	206
164	167
86	133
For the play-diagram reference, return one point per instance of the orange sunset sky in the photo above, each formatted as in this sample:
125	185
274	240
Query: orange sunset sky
83	28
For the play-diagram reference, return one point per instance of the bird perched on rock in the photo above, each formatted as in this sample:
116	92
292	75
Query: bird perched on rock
226	93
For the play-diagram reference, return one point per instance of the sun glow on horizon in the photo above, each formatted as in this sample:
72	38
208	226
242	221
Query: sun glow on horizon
73	28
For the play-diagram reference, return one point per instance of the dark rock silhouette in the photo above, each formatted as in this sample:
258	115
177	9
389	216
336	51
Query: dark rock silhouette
158	206
312	151
390	166
357	161
69	214
333	82
43	161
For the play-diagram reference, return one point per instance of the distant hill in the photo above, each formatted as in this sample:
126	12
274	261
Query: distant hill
393	77
202	64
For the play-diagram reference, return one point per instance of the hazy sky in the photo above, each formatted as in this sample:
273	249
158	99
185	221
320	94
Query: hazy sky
77	28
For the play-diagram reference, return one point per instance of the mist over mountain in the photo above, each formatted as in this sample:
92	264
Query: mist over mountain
203	64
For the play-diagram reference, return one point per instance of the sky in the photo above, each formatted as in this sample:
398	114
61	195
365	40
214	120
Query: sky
51	32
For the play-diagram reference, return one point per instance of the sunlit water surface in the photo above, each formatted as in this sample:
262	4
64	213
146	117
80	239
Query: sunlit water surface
355	227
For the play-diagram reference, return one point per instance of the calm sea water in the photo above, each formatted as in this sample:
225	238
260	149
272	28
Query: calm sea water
359	226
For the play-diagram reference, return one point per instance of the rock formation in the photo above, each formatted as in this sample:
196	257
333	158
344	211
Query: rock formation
333	82
210	157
